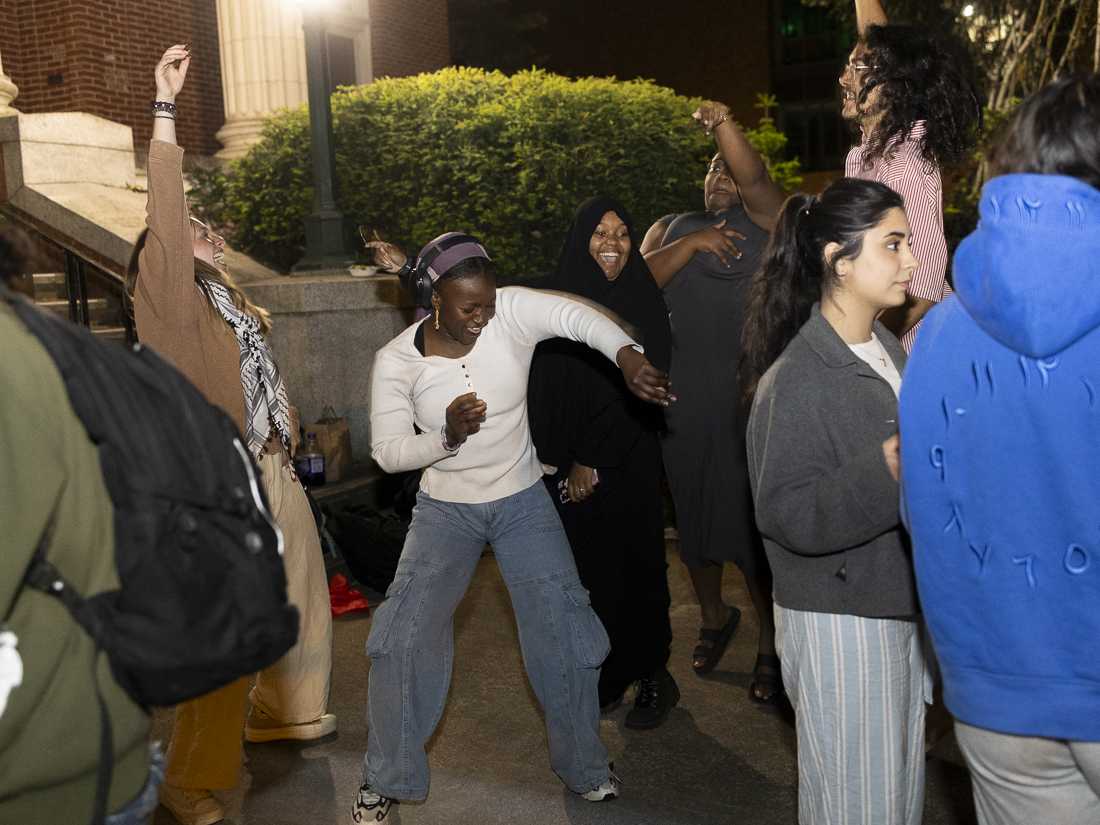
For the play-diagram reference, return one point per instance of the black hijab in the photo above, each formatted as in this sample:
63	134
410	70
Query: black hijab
634	295
578	406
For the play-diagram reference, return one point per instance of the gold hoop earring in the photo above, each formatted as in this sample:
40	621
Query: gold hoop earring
437	317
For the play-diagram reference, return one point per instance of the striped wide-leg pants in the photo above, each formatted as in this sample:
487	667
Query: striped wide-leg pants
859	688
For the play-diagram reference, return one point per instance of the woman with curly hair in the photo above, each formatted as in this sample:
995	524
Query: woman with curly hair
914	99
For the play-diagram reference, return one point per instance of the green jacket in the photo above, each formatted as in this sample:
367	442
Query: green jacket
50	729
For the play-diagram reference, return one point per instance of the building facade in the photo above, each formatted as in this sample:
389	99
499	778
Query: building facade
97	56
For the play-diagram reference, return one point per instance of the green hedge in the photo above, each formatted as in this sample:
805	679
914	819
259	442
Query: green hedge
507	158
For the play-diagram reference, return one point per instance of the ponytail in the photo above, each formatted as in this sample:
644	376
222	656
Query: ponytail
781	294
794	274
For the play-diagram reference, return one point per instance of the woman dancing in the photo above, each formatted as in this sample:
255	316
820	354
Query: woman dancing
449	394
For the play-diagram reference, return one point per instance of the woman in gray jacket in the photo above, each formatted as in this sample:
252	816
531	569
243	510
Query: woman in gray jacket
823	453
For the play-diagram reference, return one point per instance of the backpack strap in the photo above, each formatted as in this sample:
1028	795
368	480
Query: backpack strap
44	577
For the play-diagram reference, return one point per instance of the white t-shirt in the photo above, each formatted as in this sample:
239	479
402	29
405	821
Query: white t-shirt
499	460
876	356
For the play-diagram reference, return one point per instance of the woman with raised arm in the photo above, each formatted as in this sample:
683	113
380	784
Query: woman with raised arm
188	308
704	262
912	95
823	455
449	394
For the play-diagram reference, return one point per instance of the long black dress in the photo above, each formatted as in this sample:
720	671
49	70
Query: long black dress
704	446
581	411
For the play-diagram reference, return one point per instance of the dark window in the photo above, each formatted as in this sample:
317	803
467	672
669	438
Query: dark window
816	134
341	61
811	46
809	35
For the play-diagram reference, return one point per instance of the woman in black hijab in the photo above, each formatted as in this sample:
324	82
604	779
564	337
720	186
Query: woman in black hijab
606	459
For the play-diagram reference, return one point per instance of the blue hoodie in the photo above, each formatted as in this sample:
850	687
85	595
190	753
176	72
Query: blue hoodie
1000	435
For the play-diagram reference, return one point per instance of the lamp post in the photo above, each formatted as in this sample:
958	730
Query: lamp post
328	241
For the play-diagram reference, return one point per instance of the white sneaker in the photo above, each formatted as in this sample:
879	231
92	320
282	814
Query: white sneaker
262	728
191	807
606	790
370	806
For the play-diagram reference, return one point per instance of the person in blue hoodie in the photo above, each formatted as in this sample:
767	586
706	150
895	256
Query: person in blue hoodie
1000	435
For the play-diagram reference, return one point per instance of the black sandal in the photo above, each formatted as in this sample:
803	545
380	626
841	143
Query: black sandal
711	653
769	682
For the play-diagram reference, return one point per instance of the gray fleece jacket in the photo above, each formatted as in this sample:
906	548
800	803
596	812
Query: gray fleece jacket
825	501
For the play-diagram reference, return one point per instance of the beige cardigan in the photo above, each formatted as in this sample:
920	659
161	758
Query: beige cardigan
172	314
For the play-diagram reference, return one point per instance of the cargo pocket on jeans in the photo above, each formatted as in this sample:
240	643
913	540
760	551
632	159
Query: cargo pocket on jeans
381	637
589	637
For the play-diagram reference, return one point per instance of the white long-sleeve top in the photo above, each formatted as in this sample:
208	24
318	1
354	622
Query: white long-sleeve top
499	460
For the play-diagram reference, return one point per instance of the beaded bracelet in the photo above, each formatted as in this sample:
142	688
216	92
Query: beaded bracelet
164	106
718	122
446	443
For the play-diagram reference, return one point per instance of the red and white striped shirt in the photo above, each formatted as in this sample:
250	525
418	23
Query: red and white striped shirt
905	170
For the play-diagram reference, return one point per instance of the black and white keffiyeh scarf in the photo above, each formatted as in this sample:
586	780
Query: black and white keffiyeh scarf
266	404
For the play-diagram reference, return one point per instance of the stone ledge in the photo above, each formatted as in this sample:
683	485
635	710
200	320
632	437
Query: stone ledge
66	147
329	292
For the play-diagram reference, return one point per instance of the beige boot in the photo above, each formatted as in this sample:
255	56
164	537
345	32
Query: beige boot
191	807
262	728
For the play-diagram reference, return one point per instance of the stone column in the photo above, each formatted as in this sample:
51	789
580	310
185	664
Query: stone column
263	66
8	92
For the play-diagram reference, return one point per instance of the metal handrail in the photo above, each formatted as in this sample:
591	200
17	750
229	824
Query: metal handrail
78	271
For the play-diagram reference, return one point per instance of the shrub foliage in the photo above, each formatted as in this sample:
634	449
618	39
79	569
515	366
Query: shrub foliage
507	158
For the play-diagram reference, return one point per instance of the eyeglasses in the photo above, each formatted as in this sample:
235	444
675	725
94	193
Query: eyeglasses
860	66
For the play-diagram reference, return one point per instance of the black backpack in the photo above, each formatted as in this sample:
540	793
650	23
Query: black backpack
202	598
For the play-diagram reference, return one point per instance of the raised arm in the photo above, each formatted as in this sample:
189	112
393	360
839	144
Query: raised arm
761	196
165	298
869	13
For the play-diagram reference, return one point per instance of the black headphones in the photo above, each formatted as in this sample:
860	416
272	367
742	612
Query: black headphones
418	282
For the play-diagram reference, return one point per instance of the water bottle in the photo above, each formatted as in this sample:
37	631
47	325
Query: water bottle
309	463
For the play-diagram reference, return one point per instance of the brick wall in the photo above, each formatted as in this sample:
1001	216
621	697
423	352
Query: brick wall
409	36
98	56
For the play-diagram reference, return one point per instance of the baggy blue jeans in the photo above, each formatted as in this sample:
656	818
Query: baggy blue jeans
411	641
139	810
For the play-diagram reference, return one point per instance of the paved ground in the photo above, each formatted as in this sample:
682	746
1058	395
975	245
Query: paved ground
719	760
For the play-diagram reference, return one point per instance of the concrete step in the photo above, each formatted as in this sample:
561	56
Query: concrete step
48	285
110	333
97	307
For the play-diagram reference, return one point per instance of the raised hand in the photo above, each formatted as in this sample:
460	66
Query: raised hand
711	114
465	415
643	379
171	71
386	255
718	241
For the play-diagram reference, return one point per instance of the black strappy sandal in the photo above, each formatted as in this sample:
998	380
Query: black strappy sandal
711	654
766	687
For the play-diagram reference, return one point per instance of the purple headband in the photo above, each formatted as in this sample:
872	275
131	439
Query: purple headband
437	267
